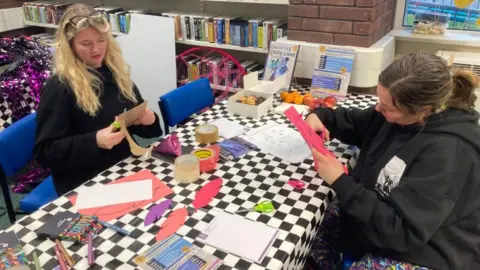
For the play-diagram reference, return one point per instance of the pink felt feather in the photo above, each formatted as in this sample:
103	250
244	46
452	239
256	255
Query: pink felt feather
205	195
156	212
309	135
174	221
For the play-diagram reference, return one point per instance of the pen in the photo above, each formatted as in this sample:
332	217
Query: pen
67	256
60	258
91	259
35	260
115	228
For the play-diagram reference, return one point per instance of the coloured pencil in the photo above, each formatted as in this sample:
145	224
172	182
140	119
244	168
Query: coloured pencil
35	260
60	259
91	258
67	256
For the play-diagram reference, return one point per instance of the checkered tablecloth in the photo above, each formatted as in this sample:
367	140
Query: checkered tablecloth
256	176
6	113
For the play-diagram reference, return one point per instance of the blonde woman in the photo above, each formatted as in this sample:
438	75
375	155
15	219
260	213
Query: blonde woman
91	86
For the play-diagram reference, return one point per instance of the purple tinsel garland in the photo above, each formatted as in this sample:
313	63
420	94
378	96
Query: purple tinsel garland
20	87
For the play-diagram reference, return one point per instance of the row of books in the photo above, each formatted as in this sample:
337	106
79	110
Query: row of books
51	13
221	73
256	33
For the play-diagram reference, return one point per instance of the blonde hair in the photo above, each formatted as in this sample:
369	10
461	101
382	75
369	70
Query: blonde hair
84	80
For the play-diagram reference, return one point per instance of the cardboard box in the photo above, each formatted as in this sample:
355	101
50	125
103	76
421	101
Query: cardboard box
250	111
251	82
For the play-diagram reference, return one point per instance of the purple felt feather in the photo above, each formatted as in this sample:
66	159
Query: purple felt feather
156	212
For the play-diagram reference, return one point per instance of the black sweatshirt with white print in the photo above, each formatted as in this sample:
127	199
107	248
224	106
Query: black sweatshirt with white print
414	194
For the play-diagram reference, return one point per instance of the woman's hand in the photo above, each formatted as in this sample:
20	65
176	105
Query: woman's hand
317	125
147	118
329	168
107	138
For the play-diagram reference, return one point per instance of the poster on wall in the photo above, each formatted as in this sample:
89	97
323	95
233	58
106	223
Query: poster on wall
332	76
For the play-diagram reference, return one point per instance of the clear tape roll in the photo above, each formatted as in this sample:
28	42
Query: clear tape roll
187	169
206	134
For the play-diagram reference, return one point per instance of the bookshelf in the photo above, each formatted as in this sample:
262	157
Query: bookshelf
55	26
222	46
274	2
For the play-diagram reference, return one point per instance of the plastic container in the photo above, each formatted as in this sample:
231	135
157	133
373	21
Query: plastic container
430	23
187	169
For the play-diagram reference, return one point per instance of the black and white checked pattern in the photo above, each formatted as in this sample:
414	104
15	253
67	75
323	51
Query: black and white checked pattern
255	177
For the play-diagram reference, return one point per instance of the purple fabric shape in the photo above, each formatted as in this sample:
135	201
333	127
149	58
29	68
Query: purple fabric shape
156	212
170	145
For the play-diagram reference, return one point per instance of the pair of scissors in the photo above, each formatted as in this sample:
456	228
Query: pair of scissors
262	207
297	184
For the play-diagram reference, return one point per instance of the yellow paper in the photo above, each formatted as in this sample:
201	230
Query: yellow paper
462	3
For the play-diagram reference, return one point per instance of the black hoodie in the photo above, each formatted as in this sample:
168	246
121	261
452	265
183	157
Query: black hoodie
66	136
414	194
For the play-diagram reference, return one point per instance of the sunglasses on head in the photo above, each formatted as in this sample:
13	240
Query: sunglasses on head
96	18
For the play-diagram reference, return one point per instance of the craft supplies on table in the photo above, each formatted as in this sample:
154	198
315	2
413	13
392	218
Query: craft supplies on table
118	193
281	141
187	169
234	148
69	226
228	129
237	235
176	253
262	207
206	134
11	251
115	228
207	157
65	254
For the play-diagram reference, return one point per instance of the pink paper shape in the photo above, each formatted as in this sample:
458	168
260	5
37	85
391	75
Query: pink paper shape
156	212
107	213
174	221
170	145
296	184
205	195
309	135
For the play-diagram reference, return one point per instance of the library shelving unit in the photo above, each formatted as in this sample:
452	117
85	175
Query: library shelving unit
274	2
221	46
54	26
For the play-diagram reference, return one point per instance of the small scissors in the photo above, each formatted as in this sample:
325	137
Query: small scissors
262	207
296	184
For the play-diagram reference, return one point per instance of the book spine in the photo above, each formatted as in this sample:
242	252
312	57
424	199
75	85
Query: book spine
219	32
270	33
211	32
247	43
275	33
250	34
228	39
260	36
187	27
215	30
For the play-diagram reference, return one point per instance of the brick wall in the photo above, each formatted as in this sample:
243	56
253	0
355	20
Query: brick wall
10	3
358	23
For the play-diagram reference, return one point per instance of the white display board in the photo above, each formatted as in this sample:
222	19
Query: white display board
149	49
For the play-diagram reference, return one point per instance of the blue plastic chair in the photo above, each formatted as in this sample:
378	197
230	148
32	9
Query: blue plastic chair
179	104
347	261
16	144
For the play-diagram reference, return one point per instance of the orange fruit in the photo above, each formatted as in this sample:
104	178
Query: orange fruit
283	95
289	98
295	93
298	100
307	100
308	95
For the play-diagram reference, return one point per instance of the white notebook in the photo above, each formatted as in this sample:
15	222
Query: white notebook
239	236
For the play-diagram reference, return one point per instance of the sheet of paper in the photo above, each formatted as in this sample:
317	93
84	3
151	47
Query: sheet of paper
228	129
104	195
237	235
301	109
110	212
281	141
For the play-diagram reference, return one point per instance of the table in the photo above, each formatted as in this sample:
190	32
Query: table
247	180
6	112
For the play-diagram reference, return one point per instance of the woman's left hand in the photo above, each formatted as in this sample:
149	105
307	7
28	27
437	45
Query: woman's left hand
329	168
147	118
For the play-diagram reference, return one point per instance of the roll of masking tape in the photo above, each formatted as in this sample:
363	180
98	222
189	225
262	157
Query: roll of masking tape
206	134
187	169
208	157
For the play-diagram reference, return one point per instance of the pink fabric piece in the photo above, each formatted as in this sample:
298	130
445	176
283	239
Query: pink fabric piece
170	145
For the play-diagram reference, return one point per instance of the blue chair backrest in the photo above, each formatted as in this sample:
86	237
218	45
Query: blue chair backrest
177	105
16	144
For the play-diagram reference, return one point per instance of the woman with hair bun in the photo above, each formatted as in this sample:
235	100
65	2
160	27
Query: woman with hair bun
91	87
412	201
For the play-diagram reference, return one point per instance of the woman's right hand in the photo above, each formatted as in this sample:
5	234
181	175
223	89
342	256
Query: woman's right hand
314	122
107	138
